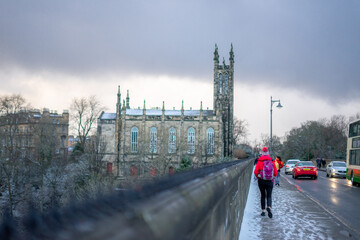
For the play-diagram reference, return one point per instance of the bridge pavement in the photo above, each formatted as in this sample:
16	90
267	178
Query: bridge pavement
295	216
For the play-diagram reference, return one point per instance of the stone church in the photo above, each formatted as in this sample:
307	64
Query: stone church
153	141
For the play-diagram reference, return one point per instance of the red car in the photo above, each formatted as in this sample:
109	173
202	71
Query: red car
305	169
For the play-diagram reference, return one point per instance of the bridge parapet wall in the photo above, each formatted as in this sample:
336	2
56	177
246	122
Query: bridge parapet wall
208	208
198	204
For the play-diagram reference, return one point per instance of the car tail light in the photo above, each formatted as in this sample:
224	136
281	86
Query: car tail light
287	166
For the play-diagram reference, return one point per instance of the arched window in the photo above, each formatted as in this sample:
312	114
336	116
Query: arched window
210	141
172	140
220	83
191	140
226	83
153	140
134	139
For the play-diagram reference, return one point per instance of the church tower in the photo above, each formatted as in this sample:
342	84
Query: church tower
224	98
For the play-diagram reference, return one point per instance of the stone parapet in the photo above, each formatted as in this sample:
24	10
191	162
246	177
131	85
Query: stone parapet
206	203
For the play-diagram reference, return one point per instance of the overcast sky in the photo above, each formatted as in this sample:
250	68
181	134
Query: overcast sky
305	53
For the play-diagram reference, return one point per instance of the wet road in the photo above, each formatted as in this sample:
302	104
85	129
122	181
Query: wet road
335	195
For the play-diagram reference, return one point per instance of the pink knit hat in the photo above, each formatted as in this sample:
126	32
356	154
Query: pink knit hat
265	151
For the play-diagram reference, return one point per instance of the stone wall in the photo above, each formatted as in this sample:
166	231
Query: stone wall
204	203
205	208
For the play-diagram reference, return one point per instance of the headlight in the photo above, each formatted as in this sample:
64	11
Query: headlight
333	170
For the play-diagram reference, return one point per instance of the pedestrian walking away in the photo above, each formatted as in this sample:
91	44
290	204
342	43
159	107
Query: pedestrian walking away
279	164
323	162
266	171
318	162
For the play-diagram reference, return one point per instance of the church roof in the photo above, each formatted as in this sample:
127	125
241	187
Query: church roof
108	116
157	112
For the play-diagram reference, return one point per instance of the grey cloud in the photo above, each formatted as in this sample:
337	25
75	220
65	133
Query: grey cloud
309	45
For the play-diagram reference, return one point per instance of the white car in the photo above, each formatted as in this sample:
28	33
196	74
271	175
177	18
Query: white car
336	168
290	164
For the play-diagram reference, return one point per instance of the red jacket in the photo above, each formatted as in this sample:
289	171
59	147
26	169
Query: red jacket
279	164
259	166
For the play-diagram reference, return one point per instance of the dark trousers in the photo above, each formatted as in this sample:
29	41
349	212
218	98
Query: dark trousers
266	188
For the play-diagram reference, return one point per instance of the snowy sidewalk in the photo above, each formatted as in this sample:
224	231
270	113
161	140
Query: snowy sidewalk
295	216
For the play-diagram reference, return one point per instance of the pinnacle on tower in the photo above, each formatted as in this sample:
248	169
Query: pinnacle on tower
127	100
231	54
118	103
216	54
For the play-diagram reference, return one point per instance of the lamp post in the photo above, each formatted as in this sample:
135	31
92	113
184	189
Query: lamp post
271	105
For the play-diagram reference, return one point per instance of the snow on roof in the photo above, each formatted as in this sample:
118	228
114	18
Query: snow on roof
108	116
153	112
136	112
172	113
207	113
192	112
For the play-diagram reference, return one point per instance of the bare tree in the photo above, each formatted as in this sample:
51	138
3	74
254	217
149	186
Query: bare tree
324	138
87	176
85	112
240	131
48	165
354	117
11	158
276	143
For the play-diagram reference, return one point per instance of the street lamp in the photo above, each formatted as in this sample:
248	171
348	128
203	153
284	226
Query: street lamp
279	106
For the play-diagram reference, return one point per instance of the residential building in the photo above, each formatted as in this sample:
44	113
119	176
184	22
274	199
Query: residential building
34	134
